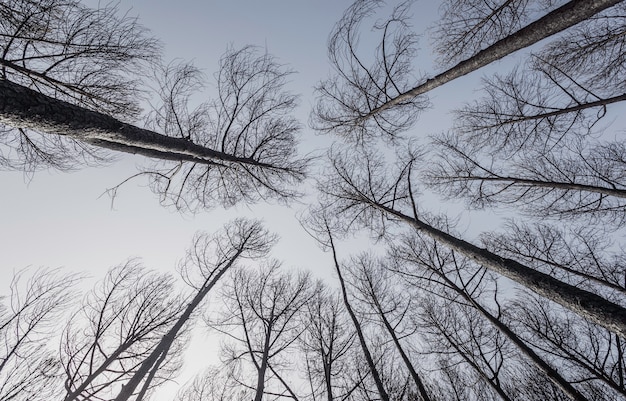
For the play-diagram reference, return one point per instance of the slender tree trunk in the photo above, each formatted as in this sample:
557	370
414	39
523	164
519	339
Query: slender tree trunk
586	304
21	107
496	387
73	395
542	365
405	358
568	186
566	110
168	339
562	18
357	326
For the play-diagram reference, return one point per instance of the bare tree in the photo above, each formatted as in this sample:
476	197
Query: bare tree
262	327
540	107
580	255
60	77
363	189
116	328
65	50
362	85
29	366
372	283
447	274
586	183
346	113
206	262
328	348
594	355
468	26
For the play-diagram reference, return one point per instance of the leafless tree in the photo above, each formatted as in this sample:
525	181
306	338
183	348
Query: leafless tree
580	255
594	355
319	225
468	26
210	257
351	115
583	183
540	107
327	345
447	274
362	84
361	188
239	147
371	281
29	317
62	49
116	328
594	51
261	324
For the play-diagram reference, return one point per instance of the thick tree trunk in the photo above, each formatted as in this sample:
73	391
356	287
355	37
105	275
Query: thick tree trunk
21	107
562	18
586	304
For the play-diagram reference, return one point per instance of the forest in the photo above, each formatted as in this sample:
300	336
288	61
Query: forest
528	307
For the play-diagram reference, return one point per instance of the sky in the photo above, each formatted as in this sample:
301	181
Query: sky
57	219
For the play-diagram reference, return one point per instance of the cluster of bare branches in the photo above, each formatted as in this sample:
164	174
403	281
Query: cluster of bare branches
69	73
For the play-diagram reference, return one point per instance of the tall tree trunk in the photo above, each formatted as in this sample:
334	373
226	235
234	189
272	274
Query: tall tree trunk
357	326
405	358
586	304
166	342
562	18
542	365
260	382
21	107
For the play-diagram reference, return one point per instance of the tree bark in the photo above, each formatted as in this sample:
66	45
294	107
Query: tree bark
586	304
562	18
21	107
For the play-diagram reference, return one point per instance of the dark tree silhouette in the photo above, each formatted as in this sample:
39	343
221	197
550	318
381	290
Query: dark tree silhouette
65	85
343	109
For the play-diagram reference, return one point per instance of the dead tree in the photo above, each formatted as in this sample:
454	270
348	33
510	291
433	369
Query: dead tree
342	108
115	329
29	318
261	325
361	188
586	183
372	284
65	85
448	274
206	262
327	345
